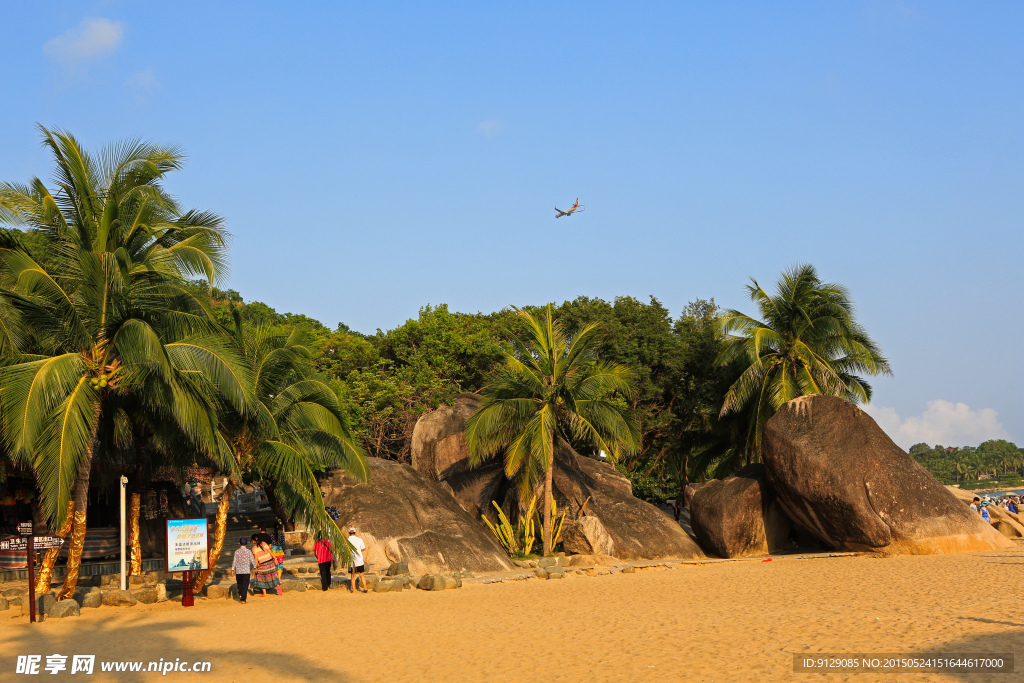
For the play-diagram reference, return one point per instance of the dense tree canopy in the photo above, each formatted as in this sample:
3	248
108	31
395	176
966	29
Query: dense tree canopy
993	460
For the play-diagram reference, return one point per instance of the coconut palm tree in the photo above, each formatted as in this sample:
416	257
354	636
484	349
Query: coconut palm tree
551	387
106	316
806	342
296	431
137	436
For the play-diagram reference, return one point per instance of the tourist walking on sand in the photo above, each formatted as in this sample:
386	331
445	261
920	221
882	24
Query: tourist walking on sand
266	569
324	558
357	566
242	566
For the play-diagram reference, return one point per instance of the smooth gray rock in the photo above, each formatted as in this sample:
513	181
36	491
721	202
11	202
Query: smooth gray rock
44	603
629	569
541	573
216	592
556	575
738	516
547	562
398	569
118	598
432	582
4	605
15	593
289	586
65	608
92	599
146	596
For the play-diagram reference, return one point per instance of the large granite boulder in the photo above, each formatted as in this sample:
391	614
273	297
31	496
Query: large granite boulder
403	516
613	522
438	447
604	516
738	516
842	480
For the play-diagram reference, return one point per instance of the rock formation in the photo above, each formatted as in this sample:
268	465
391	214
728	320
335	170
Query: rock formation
738	516
438	445
842	480
605	517
404	517
688	493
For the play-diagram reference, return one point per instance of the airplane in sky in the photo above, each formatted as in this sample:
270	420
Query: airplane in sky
571	210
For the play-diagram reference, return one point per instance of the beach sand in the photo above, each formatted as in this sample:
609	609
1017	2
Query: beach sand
726	621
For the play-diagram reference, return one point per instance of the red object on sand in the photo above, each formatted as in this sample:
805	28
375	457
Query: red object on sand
768	560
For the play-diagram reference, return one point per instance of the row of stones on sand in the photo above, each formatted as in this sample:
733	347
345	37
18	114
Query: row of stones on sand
396	579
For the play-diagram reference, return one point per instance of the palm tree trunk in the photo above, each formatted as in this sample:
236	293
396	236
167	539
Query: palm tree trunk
134	542
80	496
220	530
50	558
134	508
546	536
81	501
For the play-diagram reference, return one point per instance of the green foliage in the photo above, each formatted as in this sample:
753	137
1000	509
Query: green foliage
807	342
551	387
104	317
995	461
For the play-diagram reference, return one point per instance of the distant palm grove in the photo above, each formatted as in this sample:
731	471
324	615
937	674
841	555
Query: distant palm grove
120	353
996	463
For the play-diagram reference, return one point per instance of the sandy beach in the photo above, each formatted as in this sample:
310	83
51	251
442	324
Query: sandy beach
726	621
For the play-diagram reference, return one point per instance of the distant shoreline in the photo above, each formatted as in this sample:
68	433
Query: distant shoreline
988	491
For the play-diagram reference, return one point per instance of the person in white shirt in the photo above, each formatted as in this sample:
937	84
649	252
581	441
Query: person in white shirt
357	566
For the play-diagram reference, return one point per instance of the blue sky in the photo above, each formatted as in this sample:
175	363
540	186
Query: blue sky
373	160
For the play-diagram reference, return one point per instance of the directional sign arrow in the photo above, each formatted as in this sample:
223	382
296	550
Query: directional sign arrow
40	543
25	528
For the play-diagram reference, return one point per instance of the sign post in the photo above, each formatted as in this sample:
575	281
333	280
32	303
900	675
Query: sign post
30	543
30	556
188	550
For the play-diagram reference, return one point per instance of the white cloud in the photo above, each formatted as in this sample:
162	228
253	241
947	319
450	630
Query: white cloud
490	127
942	422
91	39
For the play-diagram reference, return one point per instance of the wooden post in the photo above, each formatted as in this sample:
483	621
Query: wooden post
186	591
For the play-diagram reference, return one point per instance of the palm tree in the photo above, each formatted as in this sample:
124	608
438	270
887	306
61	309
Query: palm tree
106	316
807	342
296	431
551	387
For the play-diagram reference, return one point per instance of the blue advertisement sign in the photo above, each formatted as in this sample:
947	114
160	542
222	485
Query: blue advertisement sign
188	545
